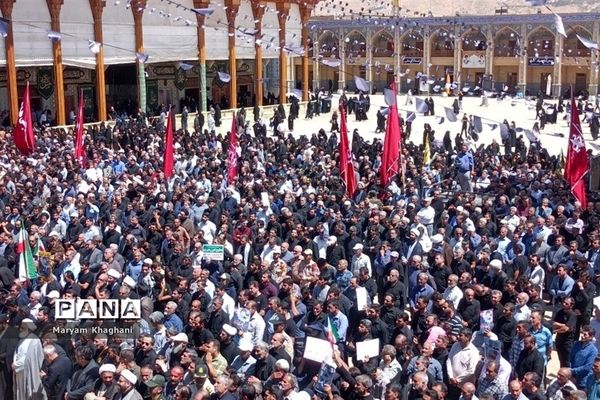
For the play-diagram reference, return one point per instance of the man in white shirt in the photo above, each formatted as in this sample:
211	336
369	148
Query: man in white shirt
256	325
512	219
453	293
207	227
462	360
427	214
360	259
522	311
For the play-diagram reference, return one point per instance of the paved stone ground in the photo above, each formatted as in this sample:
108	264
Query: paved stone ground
495	112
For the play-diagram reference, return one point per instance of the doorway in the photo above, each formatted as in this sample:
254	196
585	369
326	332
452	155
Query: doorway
580	82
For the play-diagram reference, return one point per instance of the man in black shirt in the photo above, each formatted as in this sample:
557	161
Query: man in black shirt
563	325
505	327
469	309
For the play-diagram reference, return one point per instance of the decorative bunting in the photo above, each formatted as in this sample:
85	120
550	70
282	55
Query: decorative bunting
184	66
535	3
142	57
4	27
94	46
450	114
422	107
54	36
588	42
224	77
389	96
205	12
361	84
560	27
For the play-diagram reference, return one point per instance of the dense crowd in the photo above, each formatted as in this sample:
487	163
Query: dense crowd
450	272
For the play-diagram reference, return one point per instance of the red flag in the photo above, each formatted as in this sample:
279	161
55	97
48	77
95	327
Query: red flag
23	133
168	157
79	150
577	159
346	166
391	144
232	156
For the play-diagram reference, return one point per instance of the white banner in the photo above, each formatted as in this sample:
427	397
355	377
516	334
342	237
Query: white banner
473	61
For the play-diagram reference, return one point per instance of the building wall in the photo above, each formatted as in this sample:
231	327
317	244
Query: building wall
518	39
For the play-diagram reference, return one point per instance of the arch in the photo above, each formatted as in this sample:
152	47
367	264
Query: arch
355	44
474	40
507	43
442	43
572	46
412	44
540	42
382	44
327	44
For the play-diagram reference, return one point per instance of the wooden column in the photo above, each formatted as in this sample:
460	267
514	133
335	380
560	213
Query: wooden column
6	6
97	7
138	14
54	7
305	11
258	10
283	11
202	54
232	10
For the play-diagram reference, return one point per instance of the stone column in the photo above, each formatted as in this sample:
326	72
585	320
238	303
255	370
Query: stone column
523	62
283	11
97	7
138	14
594	59
342	69
202	54
397	58
6	6
258	10
316	62
54	7
489	56
369	54
426	51
458	58
558	58
232	10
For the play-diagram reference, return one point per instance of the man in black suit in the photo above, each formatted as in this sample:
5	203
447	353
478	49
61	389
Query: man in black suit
55	374
9	338
85	374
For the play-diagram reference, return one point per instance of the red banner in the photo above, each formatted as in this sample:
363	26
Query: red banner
577	159
79	149
346	166
168	157
391	144
23	133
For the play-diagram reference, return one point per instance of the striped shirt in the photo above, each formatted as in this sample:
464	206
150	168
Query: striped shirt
515	350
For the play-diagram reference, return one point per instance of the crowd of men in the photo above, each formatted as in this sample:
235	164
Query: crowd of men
420	266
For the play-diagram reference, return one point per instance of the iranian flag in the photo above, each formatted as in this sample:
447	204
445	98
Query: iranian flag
27	268
332	333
